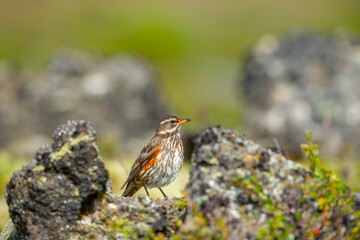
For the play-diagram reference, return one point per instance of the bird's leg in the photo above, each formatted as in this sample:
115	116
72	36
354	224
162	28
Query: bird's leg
166	197
146	191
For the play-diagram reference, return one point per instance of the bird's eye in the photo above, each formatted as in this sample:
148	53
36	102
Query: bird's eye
172	121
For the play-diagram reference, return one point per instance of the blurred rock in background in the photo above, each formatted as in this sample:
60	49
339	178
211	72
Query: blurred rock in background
300	82
118	95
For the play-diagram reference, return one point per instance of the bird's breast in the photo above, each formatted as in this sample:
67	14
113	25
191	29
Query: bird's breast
166	168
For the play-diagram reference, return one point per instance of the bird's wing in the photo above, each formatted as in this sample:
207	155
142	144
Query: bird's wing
149	153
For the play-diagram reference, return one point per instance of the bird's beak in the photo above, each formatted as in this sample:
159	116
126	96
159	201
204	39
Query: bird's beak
184	121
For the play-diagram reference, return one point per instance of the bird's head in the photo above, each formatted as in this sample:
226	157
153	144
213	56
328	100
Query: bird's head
170	124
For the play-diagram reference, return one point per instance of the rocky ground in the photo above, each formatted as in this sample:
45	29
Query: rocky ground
237	189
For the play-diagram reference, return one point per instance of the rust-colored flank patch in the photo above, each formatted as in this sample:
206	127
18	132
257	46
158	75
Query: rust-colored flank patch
154	159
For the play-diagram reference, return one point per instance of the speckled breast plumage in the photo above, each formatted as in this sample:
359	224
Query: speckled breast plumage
167	165
160	160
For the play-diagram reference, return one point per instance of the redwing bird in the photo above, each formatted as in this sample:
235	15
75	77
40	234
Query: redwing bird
160	160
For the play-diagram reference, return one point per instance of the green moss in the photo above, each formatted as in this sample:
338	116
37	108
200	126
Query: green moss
119	226
197	227
180	203
277	227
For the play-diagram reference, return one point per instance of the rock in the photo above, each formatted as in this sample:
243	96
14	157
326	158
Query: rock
129	218
63	181
65	192
118	95
250	192
302	82
237	190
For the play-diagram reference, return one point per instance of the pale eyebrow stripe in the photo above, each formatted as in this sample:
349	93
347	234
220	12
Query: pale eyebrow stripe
167	120
167	131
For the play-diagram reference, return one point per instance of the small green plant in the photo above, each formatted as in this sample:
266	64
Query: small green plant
330	191
181	203
277	227
323	187
311	151
197	226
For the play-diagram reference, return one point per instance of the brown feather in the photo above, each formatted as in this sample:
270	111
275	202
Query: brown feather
149	152
132	187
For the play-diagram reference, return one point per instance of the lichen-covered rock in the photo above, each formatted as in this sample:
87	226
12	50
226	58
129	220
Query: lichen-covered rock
237	190
253	193
65	192
304	81
62	182
129	218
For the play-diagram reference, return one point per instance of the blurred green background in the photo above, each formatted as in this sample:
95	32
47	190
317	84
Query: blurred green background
197	47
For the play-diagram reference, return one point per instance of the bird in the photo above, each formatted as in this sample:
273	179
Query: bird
160	160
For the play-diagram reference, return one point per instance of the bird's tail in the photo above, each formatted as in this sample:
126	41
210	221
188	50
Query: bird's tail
131	188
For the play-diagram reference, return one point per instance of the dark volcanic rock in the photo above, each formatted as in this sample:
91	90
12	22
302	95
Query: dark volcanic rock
47	195
250	188
304	82
118	95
